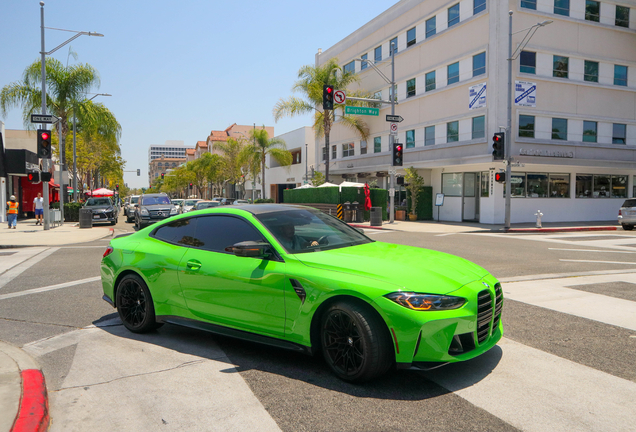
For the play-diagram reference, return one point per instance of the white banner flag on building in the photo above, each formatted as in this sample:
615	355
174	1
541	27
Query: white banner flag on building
477	96
525	94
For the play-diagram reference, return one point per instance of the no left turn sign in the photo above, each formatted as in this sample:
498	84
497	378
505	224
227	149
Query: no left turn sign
339	97
394	127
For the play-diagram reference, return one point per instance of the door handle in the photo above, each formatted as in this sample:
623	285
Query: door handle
193	265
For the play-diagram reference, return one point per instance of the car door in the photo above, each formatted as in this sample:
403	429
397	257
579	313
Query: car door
239	292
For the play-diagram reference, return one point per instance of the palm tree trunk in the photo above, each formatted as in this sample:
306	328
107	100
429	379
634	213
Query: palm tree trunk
263	174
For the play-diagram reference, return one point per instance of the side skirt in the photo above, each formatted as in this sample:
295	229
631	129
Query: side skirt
238	334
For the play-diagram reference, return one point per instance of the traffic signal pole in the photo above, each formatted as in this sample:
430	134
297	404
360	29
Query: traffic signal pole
391	137
508	142
45	162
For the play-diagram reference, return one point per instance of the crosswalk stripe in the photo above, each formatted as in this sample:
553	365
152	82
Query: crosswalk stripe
49	288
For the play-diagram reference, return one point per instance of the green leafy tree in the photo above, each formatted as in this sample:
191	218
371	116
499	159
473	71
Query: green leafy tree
262	146
318	179
310	85
415	185
235	160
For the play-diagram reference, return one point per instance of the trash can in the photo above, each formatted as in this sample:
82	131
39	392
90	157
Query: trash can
376	216
348	213
85	218
358	213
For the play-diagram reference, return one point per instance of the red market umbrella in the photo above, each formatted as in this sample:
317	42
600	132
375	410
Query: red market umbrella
103	192
367	197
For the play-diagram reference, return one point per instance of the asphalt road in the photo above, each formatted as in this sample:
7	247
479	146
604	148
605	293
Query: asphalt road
77	338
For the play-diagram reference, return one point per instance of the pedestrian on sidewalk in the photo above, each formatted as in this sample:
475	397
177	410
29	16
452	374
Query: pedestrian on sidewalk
38	208
12	212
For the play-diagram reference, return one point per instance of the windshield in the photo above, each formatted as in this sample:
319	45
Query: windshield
134	200
191	202
204	205
177	201
152	200
301	231
98	202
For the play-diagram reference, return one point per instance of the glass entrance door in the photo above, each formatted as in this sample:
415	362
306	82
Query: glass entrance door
470	206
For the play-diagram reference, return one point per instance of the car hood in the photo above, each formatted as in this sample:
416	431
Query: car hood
408	268
158	206
99	207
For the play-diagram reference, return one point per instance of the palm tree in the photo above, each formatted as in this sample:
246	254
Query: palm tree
310	84
262	146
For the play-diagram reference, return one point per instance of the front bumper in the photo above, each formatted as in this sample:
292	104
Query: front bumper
104	217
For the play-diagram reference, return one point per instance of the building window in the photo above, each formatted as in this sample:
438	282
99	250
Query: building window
620	75
590	72
452	131
363	64
619	133
453	15
601	186
324	153
560	67
529	4
363	147
479	127
485	184
429	135
589	131
537	185
619	186
478	6
350	67
528	62
410	37
559	129
592	10
431	27
347	150
560	185
377	54
452	184
334	152
393	48
430	81
622	16
377	144
526	126
518	188
410	87
562	7
479	64
410	138
453	73
377	95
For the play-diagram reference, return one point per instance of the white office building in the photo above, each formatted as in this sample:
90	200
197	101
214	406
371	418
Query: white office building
573	134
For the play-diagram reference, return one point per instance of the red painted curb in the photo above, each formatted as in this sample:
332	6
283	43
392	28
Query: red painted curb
33	415
366	226
570	229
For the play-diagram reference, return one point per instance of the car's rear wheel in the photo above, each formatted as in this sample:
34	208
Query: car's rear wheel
134	304
627	227
355	342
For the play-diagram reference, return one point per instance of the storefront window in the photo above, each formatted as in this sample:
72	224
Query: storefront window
485	184
602	186
452	184
619	186
537	185
518	184
584	186
560	185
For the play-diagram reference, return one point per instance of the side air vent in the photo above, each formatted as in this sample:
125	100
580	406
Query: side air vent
300	291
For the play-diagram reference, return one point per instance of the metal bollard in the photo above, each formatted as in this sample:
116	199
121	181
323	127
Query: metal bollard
538	214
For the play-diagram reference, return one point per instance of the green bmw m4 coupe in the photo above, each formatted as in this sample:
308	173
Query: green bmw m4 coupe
293	277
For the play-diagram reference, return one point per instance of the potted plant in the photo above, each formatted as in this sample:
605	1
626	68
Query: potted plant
415	185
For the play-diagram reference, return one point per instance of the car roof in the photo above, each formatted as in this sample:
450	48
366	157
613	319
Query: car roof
155	194
257	209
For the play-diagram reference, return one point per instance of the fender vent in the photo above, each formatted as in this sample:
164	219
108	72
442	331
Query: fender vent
300	291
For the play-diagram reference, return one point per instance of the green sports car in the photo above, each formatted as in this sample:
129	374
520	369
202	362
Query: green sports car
293	277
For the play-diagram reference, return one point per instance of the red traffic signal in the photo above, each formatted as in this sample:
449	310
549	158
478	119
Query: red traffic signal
33	177
327	97
498	144
162	174
44	144
398	159
500	177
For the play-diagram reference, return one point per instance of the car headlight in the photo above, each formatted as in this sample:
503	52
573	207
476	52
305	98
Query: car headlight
173	210
426	302
144	212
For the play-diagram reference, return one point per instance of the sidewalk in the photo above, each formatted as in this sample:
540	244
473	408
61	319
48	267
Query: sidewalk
27	233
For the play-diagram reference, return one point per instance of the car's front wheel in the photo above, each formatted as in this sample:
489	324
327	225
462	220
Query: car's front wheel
627	227
355	342
134	304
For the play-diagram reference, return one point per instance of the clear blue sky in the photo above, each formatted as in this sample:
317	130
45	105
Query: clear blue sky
179	69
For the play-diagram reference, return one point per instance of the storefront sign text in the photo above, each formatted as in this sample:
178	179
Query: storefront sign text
547	153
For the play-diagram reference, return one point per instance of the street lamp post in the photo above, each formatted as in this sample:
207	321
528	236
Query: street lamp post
44	53
508	142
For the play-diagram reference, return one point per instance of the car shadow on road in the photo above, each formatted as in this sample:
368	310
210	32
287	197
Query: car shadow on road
249	357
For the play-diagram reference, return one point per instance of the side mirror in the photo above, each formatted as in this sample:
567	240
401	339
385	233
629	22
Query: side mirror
249	249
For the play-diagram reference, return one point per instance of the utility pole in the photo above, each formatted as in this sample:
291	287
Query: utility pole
306	171
508	140
45	161
391	137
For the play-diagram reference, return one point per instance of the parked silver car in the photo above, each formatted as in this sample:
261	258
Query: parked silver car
129	210
627	214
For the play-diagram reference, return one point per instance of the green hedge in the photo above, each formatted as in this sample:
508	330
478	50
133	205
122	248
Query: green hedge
71	210
424	208
263	201
332	195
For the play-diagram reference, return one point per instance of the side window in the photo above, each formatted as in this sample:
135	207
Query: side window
180	231
215	233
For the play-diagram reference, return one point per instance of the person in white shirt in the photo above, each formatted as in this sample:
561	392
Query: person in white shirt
38	208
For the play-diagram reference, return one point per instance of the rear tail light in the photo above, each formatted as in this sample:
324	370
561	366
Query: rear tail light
109	250
620	212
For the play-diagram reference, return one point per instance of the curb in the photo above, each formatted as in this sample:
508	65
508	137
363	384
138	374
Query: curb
563	229
367	226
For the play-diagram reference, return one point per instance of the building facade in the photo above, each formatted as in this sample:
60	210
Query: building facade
573	118
171	149
163	165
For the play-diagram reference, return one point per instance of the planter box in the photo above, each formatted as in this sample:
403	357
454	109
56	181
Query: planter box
400	215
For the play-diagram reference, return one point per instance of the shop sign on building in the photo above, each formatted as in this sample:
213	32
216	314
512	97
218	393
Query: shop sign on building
525	94
477	96
548	153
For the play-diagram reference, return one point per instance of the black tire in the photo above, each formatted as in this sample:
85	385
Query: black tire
134	304
628	227
129	219
355	342
113	222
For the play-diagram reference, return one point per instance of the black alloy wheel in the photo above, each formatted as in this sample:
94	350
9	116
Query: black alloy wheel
134	305
355	342
627	227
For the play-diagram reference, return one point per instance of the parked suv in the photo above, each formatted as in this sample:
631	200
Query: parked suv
153	208
103	210
627	214
129	210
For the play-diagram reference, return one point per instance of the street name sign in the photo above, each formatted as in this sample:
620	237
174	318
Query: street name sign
41	118
394	118
362	111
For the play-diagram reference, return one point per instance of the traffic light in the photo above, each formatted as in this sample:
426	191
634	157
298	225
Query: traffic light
34	177
190	186
398	159
400	180
327	97
162	174
138	172
45	176
498	144
117	187
500	177
44	144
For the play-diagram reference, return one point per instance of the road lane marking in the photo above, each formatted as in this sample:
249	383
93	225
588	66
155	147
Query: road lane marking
49	288
536	391
444	235
601	262
592	250
16	271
